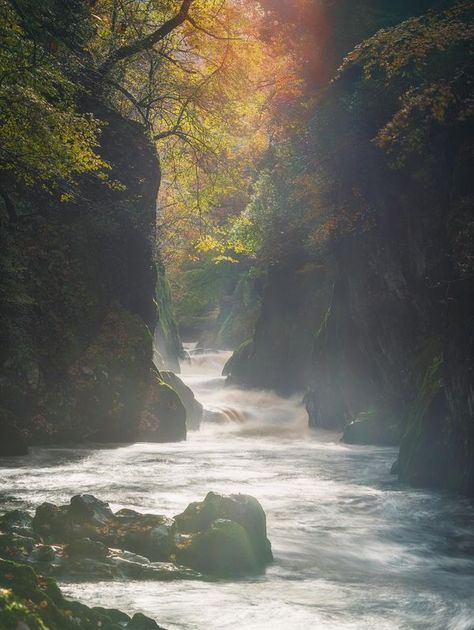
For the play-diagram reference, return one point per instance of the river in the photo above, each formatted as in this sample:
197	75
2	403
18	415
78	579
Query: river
353	548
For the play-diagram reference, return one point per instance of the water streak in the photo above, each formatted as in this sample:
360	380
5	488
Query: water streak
353	549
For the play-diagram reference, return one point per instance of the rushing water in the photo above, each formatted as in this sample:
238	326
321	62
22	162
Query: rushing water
353	549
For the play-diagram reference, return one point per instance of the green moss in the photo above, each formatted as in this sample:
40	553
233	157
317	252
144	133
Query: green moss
239	357
105	389
168	343
164	416
223	550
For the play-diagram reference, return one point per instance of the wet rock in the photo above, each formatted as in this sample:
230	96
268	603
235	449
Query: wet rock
17	521
85	517
164	415
86	508
222	535
194	409
148	535
37	602
240	508
116	616
44	554
16	547
52	522
86	548
82	568
224	549
141	622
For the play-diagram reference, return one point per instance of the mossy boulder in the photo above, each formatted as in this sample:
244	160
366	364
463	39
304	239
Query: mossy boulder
28	600
148	535
222	535
194	409
223	549
17	521
87	548
142	622
164	416
85	517
90	528
242	509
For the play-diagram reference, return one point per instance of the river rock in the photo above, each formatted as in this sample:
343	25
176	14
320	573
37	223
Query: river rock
86	548
194	409
164	416
223	549
16	547
31	602
222	535
85	508
85	517
17	521
141	622
238	508
148	535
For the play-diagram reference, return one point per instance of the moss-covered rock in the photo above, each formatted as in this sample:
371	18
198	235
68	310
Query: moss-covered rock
103	391
238	508
223	549
164	415
37	603
194	409
222	535
236	363
142	622
435	449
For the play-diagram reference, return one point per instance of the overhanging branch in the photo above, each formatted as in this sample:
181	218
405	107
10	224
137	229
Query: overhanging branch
124	52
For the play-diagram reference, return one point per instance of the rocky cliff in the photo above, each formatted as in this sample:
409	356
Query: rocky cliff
370	317
78	291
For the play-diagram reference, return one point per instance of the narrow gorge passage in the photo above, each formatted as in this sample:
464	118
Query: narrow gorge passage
353	548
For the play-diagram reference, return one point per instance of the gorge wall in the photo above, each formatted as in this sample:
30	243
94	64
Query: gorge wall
369	312
78	309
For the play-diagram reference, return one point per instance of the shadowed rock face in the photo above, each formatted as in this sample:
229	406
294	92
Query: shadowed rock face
77	349
164	416
221	536
194	409
380	316
211	520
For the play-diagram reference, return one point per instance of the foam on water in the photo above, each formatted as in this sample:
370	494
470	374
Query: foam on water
353	548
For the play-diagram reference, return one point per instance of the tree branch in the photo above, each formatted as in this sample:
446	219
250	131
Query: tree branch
149	41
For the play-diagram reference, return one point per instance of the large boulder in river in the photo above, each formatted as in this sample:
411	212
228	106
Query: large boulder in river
220	536
223	549
164	415
85	517
242	509
194	409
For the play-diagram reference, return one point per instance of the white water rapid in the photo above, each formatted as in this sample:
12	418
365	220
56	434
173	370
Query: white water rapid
353	548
